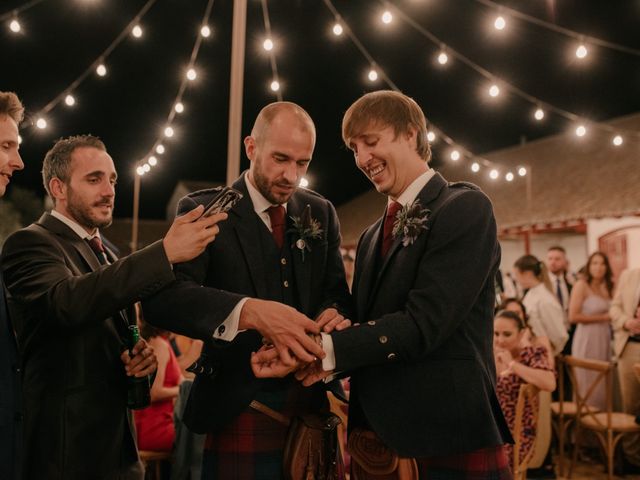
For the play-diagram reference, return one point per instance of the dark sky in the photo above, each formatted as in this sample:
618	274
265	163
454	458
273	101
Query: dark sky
128	107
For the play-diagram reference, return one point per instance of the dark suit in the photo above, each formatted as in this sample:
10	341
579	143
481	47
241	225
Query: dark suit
241	262
10	396
67	313
423	375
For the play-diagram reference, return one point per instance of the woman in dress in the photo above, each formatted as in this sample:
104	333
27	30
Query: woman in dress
589	309
515	365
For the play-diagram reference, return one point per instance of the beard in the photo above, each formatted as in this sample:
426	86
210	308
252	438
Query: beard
83	214
265	187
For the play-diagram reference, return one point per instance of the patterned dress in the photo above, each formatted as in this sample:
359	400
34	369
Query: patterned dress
508	387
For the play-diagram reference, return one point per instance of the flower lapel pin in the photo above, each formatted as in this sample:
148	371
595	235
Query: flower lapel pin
305	228
410	221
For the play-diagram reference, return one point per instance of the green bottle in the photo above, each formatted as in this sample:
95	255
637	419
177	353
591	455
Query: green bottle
138	388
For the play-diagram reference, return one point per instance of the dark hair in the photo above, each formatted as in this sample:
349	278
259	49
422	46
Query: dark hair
507	301
608	274
558	248
509	315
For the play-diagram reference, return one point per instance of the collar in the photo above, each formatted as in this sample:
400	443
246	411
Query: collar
75	226
260	204
414	188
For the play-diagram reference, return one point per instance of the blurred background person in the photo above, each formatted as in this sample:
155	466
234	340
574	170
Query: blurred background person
589	309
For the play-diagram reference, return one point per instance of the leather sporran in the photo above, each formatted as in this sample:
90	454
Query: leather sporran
373	460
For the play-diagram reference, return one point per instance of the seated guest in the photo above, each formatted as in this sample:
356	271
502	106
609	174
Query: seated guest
154	424
517	365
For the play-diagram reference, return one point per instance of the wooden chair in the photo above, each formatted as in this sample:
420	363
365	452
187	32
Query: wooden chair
527	395
563	413
338	407
152	463
608	426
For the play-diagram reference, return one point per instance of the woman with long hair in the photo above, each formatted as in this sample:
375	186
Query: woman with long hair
589	308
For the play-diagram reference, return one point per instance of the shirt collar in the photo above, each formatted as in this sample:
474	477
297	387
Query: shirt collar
260	204
75	226
414	188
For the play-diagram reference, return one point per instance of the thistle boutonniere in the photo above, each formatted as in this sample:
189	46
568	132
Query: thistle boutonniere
306	228
410	221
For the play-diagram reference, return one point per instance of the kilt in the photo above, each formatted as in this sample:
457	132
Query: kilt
485	464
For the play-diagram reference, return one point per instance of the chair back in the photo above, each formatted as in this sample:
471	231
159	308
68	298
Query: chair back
527	396
582	393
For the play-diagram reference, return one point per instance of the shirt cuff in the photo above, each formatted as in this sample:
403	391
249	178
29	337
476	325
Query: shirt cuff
329	361
228	329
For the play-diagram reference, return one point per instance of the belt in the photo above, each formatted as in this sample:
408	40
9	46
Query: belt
635	338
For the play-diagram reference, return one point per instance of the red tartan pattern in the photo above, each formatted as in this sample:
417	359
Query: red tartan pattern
484	464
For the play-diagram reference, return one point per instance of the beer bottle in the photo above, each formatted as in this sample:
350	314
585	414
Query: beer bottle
138	389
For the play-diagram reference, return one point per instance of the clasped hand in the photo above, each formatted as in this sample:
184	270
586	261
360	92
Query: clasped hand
269	362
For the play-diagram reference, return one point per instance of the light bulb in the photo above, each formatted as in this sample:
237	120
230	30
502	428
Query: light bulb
140	171
160	149
192	74
500	23
101	70
455	155
205	31
137	31
19	139
581	131
431	136
387	17
267	45
522	171
617	140
304	182
337	29
509	177
373	75
443	58
14	26
275	86
153	161
168	132
41	123
494	90
494	174
475	167
581	51
146	167
179	107
69	100
538	114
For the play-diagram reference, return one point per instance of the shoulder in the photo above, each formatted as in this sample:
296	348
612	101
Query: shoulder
201	196
535	356
307	195
465	195
579	287
33	234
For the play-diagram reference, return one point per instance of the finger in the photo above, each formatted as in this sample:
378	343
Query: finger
330	326
125	357
265	355
326	316
140	346
346	323
307	324
306	349
285	356
213	219
191	215
142	366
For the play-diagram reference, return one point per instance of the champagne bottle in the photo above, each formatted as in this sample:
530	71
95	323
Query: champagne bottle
138	389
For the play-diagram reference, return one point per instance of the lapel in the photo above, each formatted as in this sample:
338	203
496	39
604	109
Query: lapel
301	270
247	231
426	196
370	253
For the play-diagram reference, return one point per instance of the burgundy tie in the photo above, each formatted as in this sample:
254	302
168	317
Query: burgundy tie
277	215
96	245
387	238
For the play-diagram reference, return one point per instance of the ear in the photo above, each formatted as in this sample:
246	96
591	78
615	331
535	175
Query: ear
58	189
250	147
412	136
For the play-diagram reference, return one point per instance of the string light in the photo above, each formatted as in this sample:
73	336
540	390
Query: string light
205	31
69	100
19	139
431	136
386	17
509	177
267	44
581	131
304	182
617	140
153	161
455	155
522	171
140	171
373	75
146	167
15	26
475	167
494	90
41	123
500	23
538	114
168	132
337	29
443	58
581	51
179	107
159	149
101	70
137	31
275	85
192	74
494	174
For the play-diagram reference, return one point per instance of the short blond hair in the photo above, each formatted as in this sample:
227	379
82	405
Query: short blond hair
11	106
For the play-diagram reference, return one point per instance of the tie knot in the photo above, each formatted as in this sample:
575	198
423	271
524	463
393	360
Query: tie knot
393	209
277	215
96	245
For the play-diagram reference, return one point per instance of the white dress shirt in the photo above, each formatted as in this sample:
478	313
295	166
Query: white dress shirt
546	317
75	226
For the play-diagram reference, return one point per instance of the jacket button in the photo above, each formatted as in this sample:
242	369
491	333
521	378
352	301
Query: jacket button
391	356
371	322
286	283
383	339
283	261
221	329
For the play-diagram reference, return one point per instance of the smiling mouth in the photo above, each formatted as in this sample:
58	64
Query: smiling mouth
373	172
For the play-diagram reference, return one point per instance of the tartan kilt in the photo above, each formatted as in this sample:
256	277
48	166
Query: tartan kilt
485	464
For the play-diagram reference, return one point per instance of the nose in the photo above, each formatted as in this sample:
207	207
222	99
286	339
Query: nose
109	189
291	173
17	163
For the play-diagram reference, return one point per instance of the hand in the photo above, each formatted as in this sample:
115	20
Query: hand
283	326
330	320
190	234
633	326
503	359
312	373
266	363
143	362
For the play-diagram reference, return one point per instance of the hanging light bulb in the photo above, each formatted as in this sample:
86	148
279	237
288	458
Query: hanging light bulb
522	171
159	149
267	44
494	90
137	31
205	31
192	74
41	123
581	51
494	174
373	75
275	86
475	167
69	100
538	114
443	58
509	177
386	17
153	161
179	107
304	182
337	29
168	132
431	136
455	155
140	171
581	131
146	167
617	140
500	23
101	70
19	139
15	26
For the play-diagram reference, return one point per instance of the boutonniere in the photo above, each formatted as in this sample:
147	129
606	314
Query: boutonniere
410	221
306	228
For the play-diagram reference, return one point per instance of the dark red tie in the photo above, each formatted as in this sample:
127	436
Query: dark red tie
96	245
277	214
389	219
